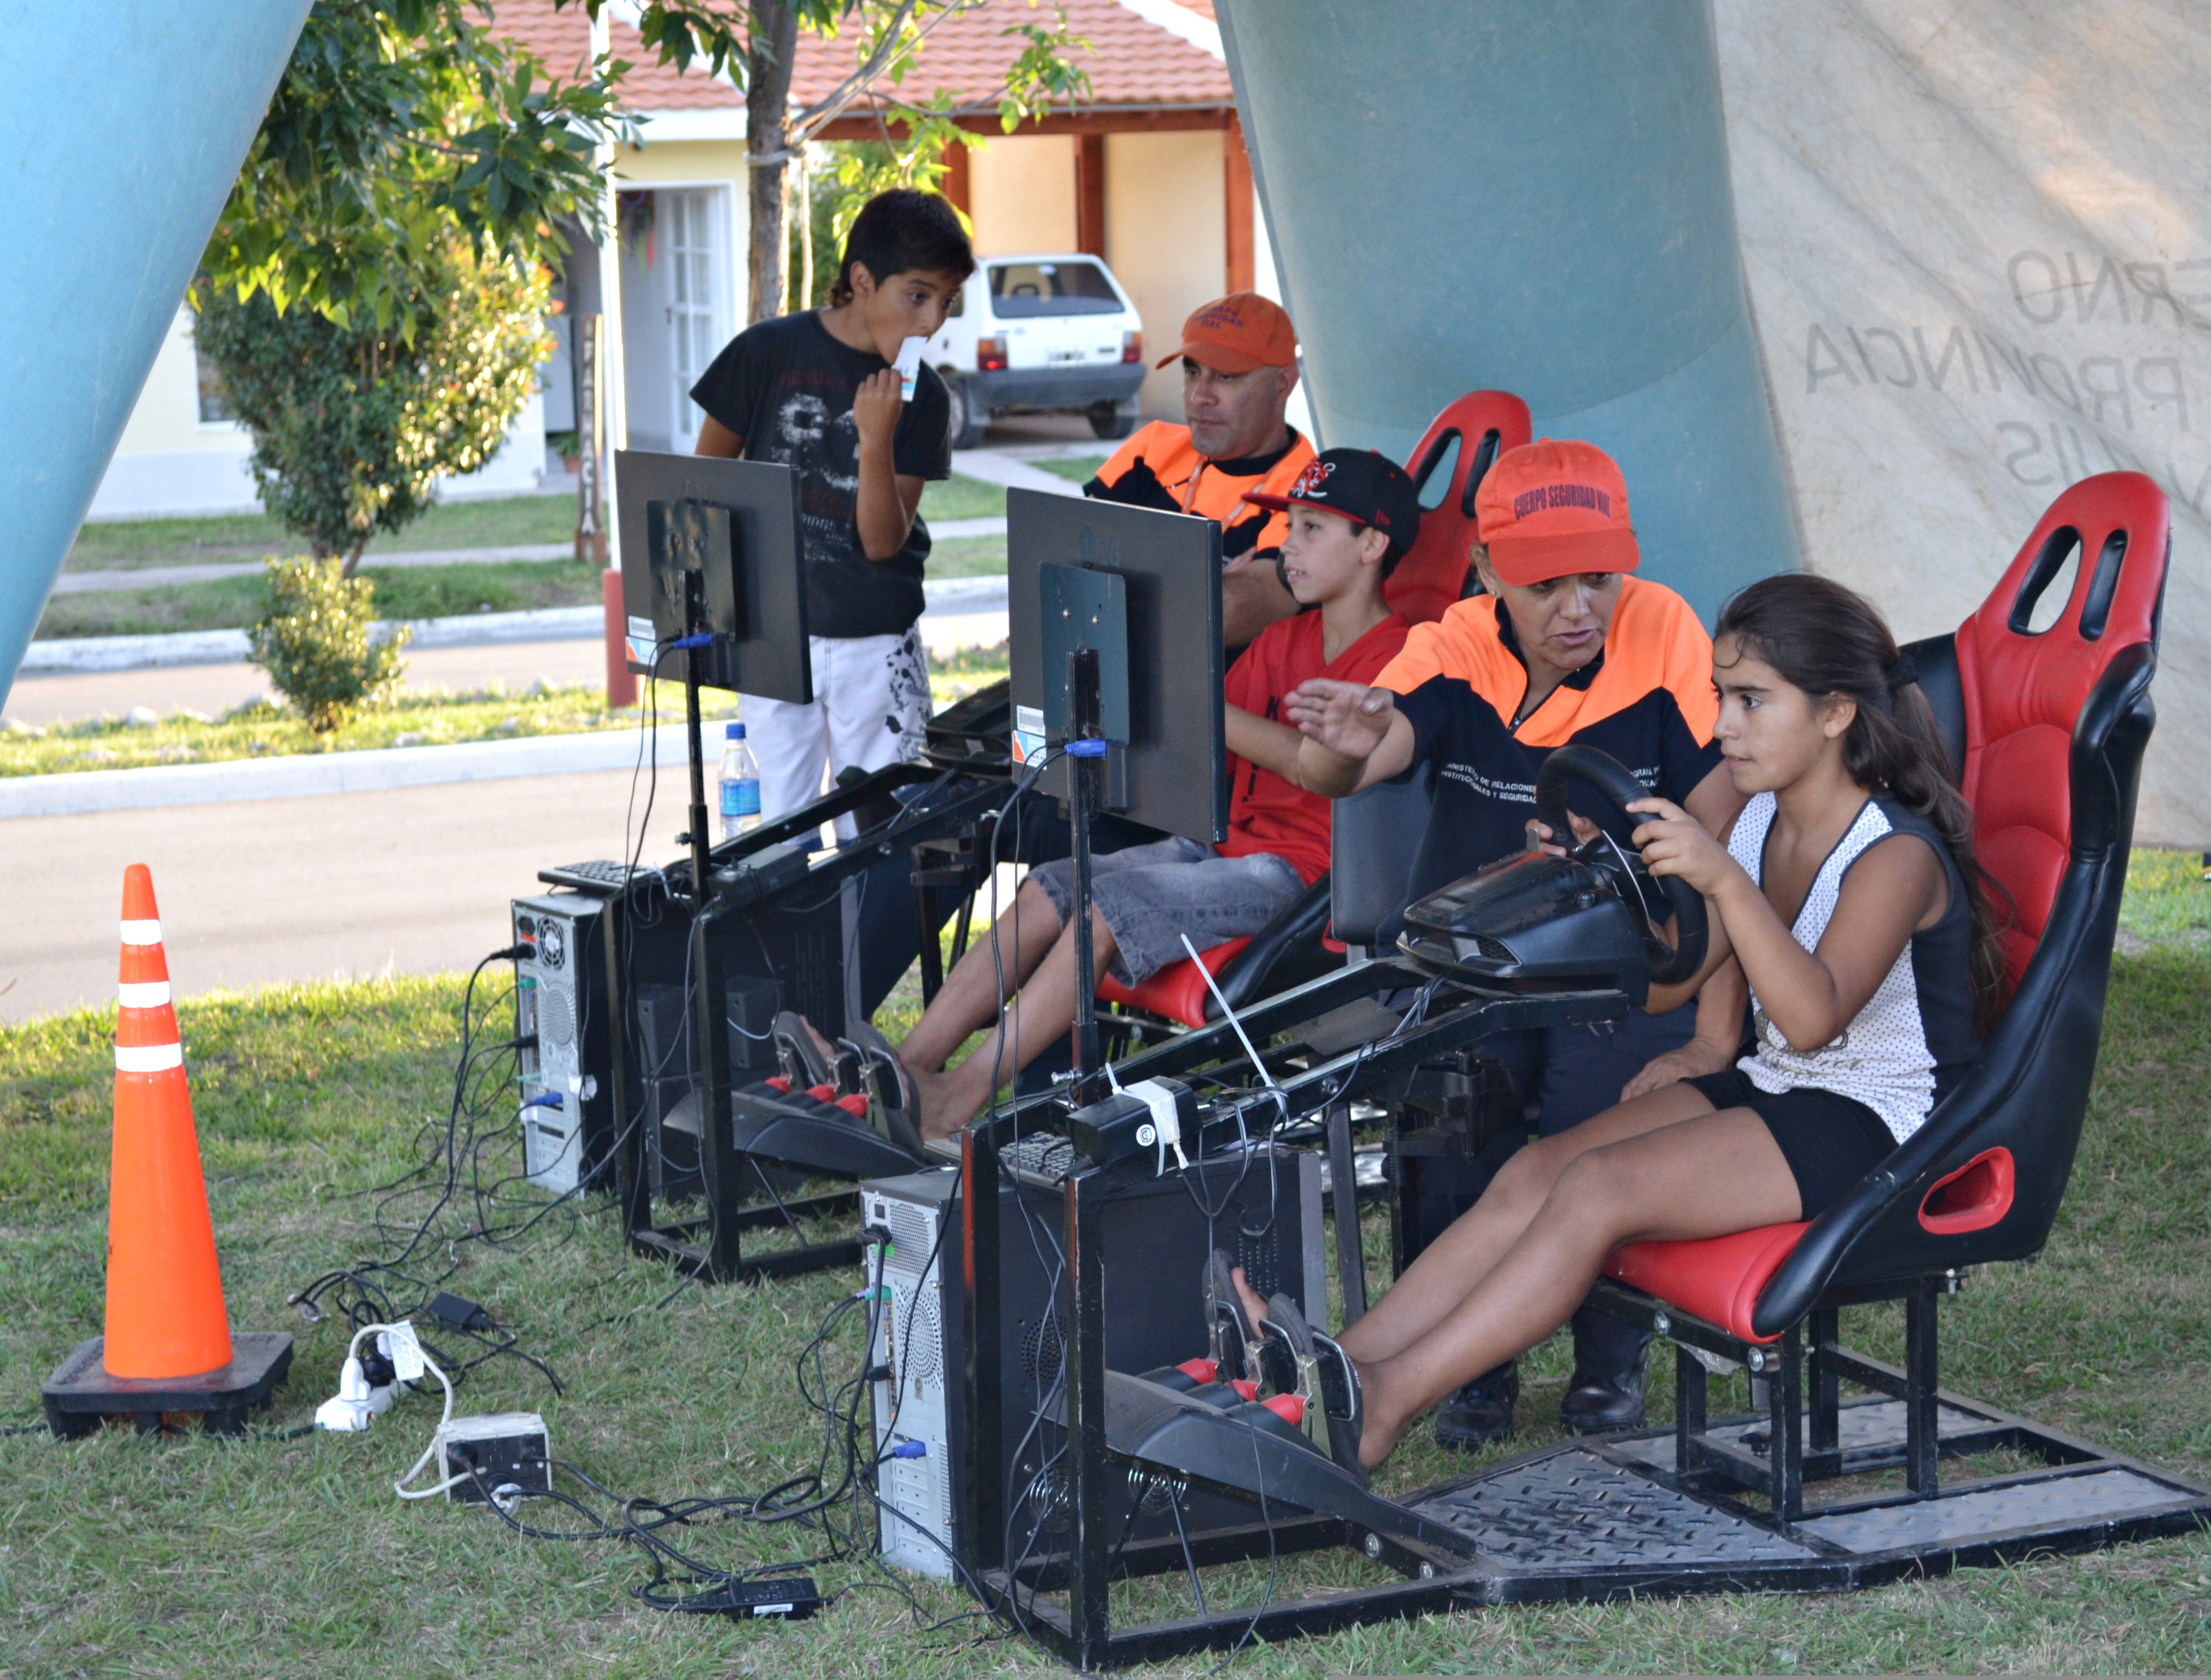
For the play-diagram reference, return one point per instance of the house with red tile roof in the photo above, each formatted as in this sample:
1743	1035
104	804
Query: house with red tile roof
1148	170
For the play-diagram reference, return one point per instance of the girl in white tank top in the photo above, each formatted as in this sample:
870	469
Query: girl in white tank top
1847	922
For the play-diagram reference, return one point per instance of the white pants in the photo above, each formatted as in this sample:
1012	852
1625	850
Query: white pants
870	707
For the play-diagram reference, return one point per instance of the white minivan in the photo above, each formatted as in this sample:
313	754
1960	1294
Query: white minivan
1041	333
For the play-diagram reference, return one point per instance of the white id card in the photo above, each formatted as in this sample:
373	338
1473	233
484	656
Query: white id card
909	366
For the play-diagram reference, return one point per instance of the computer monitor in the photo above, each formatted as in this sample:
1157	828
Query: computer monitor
1172	772
735	524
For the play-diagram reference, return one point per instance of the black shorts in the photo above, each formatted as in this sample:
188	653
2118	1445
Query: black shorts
1830	1142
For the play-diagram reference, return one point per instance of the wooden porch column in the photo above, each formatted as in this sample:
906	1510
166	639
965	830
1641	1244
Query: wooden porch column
1236	183
956	178
1090	194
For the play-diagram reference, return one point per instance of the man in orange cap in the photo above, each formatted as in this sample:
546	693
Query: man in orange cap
1239	363
1567	645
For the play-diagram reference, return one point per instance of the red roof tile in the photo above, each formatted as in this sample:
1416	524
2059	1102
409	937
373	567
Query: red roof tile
563	39
1130	62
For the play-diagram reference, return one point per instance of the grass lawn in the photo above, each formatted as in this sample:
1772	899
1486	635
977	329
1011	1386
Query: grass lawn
1080	468
418	718
285	1557
499	522
406	592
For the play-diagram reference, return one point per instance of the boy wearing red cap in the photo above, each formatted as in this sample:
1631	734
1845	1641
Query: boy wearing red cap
1239	363
1567	646
1348	518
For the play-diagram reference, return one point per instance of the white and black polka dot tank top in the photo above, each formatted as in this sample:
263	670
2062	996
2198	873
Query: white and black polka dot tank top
1915	1035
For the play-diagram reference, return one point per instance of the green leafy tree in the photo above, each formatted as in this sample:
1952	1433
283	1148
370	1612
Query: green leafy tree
752	43
372	293
313	640
354	423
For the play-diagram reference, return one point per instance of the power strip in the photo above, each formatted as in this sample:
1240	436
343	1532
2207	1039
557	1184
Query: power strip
478	1456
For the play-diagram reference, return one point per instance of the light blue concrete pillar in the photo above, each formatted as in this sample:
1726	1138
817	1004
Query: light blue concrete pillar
122	127
1495	193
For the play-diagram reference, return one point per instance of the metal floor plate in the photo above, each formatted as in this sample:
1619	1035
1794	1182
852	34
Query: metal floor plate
2063	1502
1573	1509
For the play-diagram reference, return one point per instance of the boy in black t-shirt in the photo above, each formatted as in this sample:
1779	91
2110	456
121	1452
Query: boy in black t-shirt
818	392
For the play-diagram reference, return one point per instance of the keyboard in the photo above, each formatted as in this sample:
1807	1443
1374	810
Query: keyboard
602	876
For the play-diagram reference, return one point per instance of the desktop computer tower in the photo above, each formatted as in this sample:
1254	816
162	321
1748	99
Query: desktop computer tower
1157	1238
563	1016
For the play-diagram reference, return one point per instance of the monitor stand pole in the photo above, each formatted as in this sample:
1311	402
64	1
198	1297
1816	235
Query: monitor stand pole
1086	747
694	640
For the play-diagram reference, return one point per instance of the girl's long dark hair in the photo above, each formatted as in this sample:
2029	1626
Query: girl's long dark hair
1832	643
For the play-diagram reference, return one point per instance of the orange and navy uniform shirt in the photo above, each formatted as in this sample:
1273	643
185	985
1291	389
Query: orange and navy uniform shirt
1160	468
1647	699
1267	814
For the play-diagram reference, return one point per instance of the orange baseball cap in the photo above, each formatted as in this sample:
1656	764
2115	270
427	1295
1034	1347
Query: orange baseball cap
1236	334
1552	508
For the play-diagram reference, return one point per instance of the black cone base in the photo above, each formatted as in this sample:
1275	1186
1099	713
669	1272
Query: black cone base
81	1392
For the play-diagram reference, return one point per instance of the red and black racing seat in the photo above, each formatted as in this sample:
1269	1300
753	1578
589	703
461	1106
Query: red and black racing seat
2049	724
1446	466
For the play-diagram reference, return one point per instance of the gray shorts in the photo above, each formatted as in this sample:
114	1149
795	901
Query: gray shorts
1150	896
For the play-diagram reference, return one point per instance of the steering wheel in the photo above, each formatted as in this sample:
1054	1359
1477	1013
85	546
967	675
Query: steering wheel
1670	966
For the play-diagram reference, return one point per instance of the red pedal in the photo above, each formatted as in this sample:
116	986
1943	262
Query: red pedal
1290	1408
1199	1371
855	1104
1249	1391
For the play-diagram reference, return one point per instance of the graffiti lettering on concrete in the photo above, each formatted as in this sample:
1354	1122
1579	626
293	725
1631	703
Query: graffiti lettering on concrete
2054	414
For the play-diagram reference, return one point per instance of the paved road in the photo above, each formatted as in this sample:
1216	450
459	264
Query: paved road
410	879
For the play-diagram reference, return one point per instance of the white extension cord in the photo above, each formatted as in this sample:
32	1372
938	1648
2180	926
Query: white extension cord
356	1406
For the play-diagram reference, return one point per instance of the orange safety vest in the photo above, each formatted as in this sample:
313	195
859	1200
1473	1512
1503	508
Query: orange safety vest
1160	468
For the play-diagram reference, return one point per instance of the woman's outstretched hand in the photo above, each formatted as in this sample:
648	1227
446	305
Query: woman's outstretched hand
1348	718
1677	844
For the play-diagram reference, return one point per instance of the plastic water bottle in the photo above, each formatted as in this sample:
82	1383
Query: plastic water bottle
739	777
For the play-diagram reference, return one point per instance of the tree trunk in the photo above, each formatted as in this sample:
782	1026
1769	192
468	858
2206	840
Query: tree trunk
767	112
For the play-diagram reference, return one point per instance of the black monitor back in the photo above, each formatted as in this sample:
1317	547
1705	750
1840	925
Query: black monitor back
745	514
1173	775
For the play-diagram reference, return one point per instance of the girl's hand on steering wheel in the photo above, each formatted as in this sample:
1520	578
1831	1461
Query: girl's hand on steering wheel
1540	838
1677	844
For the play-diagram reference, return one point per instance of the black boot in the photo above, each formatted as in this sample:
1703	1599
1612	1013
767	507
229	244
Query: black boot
1599	1404
1480	1414
1609	1376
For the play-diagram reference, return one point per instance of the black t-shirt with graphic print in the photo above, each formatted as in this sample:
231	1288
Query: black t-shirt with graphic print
785	387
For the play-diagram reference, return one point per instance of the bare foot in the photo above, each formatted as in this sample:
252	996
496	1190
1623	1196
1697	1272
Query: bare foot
1377	1439
1255	1309
827	1050
942	1109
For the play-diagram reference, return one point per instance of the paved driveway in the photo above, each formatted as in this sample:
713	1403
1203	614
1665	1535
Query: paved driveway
406	879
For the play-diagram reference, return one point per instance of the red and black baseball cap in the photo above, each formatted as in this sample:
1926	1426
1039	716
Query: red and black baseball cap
1552	508
1364	487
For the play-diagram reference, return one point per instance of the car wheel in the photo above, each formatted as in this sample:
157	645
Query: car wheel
969	417
1111	420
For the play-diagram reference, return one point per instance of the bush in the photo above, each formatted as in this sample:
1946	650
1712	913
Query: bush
353	425
313	640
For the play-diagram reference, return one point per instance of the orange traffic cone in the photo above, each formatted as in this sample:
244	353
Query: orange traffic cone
164	1311
168	1346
